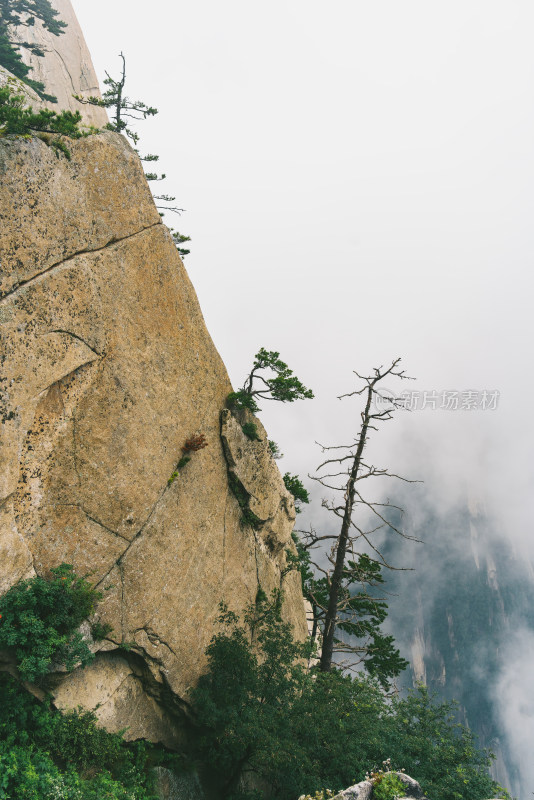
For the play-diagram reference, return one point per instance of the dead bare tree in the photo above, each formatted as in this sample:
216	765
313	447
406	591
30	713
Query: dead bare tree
331	588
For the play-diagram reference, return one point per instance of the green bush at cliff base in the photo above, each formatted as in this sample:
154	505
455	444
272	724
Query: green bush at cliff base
47	755
39	620
260	712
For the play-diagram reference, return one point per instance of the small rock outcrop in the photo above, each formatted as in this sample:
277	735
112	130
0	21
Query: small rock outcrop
364	790
256	481
106	370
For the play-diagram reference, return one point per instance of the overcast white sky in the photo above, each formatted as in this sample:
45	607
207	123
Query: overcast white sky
358	179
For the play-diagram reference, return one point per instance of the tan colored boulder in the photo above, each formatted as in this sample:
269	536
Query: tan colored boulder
106	369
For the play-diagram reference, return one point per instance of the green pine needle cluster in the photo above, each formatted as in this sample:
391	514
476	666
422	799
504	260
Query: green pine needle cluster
295	487
24	13
18	119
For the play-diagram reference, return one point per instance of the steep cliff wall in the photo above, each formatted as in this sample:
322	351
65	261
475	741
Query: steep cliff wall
65	68
106	370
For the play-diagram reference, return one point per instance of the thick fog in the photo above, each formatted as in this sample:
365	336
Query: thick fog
358	183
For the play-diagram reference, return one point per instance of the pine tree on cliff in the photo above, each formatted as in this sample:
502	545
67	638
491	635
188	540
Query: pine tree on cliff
23	14
123	112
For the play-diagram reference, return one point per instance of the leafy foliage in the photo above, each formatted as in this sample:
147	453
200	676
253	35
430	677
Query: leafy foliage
179	239
258	709
240	703
192	445
19	119
387	786
362	612
24	13
39	618
250	429
295	487
284	386
425	738
242	399
46	754
275	450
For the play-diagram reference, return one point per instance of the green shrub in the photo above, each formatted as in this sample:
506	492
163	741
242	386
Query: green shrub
100	631
295	487
45	754
21	120
258	710
388	787
275	450
39	619
250	429
242	399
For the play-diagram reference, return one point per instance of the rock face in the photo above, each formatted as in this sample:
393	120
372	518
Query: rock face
106	369
364	790
66	68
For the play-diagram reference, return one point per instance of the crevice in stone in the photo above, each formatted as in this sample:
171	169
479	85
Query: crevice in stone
69	374
162	692
79	338
152	634
74	453
256	559
95	520
58	54
167	645
6	499
58	264
119	567
117	562
224	538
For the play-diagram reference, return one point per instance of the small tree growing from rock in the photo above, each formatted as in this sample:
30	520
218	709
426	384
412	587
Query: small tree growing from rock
124	112
269	379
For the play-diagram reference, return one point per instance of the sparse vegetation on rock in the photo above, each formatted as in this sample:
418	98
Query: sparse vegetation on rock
16	14
19	119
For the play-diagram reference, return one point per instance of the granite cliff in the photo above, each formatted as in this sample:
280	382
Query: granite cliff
106	370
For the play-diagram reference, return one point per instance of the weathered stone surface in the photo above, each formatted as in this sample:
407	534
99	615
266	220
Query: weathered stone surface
361	791
413	789
106	368
251	464
66	68
111	688
53	209
19	87
177	787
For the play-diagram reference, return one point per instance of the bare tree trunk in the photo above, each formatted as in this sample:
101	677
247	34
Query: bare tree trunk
331	615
